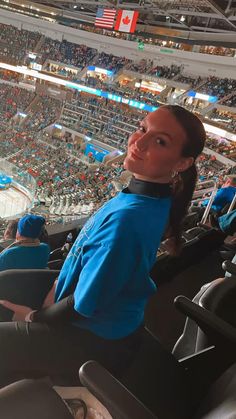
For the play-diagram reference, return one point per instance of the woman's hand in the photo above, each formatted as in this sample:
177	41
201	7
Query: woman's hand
20	312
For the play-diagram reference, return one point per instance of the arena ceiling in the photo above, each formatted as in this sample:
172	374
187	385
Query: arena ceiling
190	15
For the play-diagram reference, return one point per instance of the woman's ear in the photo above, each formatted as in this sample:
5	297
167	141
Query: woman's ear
185	163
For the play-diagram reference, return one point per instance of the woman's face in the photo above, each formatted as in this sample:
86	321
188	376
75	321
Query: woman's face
155	149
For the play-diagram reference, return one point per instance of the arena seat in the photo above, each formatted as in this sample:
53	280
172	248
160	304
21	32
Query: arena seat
219	402
28	287
55	254
229	267
55	264
32	399
193	377
218	297
197	243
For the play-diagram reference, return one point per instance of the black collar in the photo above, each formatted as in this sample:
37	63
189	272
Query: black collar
154	190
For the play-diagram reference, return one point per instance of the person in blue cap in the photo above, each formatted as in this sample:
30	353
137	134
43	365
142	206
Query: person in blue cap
26	252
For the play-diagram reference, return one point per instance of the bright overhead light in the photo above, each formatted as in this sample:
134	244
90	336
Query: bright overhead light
182	19
75	7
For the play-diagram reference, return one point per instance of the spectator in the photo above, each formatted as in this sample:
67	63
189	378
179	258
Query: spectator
105	278
226	223
26	252
223	196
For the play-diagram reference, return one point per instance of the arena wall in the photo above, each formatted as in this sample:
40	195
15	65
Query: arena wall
194	63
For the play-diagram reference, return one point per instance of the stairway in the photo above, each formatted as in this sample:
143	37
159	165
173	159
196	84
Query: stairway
39	44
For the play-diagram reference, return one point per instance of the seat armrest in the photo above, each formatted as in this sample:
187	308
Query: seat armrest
219	331
120	403
229	267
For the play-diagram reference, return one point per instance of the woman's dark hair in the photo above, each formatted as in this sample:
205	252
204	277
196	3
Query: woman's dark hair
184	187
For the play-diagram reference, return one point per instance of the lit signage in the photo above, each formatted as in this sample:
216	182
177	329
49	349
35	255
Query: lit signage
100	70
80	87
37	66
32	55
201	96
111	96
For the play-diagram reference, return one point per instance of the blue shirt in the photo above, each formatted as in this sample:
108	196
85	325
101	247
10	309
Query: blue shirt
223	197
25	257
108	266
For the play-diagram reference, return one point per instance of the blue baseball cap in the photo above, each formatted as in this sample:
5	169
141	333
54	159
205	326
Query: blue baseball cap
30	225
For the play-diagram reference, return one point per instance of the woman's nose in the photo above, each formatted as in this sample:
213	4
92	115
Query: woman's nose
141	143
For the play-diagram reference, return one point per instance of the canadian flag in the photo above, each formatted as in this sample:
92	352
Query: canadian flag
126	21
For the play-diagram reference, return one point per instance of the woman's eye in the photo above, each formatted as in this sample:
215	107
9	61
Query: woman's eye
160	141
141	128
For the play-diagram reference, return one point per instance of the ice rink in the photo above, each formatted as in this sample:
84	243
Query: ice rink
12	202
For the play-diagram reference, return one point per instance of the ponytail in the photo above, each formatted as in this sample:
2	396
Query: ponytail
184	184
183	188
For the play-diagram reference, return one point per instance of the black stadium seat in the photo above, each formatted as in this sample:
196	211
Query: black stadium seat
55	264
198	242
56	254
198	385
218	297
28	399
28	287
218	403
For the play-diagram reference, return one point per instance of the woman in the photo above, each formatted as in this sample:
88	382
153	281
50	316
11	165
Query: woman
106	273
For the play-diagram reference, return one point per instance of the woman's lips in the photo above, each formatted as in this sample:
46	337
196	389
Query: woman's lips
135	156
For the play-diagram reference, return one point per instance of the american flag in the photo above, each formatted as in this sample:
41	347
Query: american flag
105	18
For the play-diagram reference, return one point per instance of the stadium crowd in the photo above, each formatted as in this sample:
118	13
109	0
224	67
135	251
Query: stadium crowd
15	43
216	86
231	101
65	52
224	118
13	100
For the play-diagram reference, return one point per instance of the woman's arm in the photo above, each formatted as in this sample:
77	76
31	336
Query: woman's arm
60	312
50	298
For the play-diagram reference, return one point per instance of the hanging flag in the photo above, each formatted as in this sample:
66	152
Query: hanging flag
126	21
105	18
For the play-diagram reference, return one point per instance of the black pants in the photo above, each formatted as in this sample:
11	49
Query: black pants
29	350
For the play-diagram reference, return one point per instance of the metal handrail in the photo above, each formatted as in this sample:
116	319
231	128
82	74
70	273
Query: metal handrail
231	207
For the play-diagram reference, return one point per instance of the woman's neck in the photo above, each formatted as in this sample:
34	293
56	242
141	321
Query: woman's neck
152	189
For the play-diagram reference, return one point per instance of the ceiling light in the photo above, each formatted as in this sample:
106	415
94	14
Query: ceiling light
75	7
182	19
